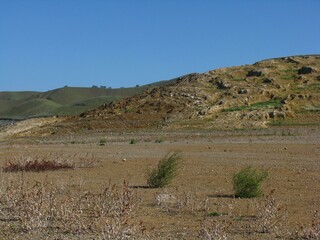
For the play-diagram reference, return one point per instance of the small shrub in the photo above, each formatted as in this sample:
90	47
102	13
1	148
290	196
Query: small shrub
102	142
215	214
246	182
159	140
133	141
165	171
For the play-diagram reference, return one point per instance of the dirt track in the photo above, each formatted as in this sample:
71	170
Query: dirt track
291	156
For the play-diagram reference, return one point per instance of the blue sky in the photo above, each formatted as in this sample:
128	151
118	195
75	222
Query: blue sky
47	44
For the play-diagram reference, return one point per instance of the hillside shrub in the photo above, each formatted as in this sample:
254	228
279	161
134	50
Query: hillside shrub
166	170
247	182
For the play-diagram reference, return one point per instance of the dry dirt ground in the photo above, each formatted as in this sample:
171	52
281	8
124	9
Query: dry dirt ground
203	187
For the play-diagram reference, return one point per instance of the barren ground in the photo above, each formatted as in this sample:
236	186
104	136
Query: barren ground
289	154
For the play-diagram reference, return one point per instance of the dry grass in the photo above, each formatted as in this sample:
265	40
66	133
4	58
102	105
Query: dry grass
46	210
213	230
311	231
222	219
48	163
43	211
201	201
181	202
36	166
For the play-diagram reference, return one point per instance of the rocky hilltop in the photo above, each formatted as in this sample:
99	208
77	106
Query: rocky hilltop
270	92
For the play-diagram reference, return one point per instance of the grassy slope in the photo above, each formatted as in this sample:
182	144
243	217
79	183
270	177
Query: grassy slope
32	107
62	101
82	106
71	95
10	100
10	96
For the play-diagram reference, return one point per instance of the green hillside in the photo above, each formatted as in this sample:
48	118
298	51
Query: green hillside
65	101
9	96
70	95
33	107
82	106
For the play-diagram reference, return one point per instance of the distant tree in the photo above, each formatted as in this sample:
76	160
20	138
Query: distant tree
65	86
109	87
104	87
94	86
137	85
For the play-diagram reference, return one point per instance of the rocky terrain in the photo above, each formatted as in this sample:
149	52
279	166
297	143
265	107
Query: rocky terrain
270	92
280	91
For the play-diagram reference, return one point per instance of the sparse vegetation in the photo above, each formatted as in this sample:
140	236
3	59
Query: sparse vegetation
258	105
268	216
36	166
160	140
293	122
311	109
133	141
313	87
181	202
39	211
289	74
311	231
165	172
102	142
213	230
24	163
78	204
215	214
246	183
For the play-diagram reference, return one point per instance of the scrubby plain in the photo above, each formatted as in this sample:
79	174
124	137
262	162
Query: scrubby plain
264	115
198	204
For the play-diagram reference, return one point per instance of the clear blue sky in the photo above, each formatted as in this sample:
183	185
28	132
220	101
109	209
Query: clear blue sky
47	44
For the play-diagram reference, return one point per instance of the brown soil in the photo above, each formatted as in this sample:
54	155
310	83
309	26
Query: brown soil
290	155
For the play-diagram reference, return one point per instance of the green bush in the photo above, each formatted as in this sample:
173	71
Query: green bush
133	141
166	170
246	183
159	140
215	214
102	142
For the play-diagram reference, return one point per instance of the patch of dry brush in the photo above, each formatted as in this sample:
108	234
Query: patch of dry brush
44	211
24	163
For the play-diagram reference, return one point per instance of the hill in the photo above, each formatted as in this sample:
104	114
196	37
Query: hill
65	101
279	91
